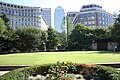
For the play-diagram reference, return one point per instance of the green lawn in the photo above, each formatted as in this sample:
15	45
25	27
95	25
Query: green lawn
53	57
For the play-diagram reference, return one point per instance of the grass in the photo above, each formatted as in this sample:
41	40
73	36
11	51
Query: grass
53	57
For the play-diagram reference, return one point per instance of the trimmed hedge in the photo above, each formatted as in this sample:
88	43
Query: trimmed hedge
105	73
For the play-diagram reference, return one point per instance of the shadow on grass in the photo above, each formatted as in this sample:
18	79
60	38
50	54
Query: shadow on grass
108	52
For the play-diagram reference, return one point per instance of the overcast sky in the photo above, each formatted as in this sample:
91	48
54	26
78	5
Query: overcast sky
69	5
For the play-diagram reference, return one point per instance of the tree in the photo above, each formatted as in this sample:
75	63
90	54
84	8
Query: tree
7	38
28	39
100	33
52	39
80	38
6	20
62	38
114	30
67	27
43	41
3	28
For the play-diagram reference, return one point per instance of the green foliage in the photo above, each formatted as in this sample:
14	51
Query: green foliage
100	33
107	73
117	20
114	32
52	39
69	25
3	28
7	38
6	20
23	73
64	71
80	38
29	39
62	39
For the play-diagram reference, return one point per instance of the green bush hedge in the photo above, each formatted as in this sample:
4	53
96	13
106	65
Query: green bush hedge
105	73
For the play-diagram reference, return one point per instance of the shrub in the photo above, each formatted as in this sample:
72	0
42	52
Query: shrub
107	73
64	71
23	73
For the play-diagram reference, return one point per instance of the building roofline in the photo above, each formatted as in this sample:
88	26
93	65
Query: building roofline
20	5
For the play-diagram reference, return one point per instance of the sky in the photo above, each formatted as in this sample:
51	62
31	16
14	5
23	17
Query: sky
110	6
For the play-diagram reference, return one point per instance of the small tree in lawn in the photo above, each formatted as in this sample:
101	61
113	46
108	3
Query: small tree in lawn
52	39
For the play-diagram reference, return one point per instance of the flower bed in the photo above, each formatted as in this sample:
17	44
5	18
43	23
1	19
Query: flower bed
64	71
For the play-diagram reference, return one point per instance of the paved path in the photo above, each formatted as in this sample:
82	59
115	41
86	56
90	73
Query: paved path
3	72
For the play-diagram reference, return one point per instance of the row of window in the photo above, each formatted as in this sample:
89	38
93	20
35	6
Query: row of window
93	14
25	24
26	19
93	23
19	13
14	6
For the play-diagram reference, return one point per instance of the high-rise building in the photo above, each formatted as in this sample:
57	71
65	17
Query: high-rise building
46	13
58	18
93	15
72	15
21	16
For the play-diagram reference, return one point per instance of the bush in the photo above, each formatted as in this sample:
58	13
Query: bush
107	73
64	71
23	73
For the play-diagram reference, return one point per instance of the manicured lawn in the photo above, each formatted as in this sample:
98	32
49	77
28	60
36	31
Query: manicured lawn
53	57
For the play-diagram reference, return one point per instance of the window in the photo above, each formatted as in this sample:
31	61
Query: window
28	19
85	23
22	19
93	22
15	6
11	5
92	17
22	13
0	3
4	4
34	24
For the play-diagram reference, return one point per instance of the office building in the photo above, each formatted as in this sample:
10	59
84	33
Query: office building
58	18
21	16
71	15
93	16
46	14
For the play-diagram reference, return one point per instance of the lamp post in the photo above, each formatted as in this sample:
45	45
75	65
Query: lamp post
44	46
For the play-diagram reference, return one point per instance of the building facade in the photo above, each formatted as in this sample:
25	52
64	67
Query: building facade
72	15
21	16
93	16
58	18
46	13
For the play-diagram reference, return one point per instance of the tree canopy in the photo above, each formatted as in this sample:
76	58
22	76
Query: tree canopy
52	39
80	38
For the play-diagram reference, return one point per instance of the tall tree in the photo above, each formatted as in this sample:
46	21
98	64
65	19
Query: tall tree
114	30
100	33
80	38
7	37
67	27
52	39
28	38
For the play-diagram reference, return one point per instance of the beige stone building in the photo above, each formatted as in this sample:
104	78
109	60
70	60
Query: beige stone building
104	44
